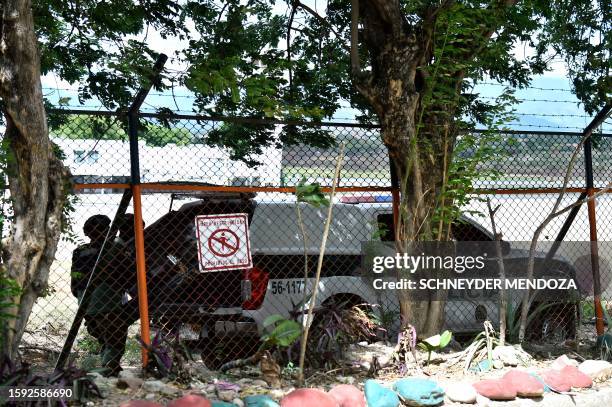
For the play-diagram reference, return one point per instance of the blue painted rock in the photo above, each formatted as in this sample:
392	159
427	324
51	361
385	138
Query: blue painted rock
419	392
576	378
495	390
525	384
379	396
348	396
259	400
555	380
140	403
190	400
308	398
222	404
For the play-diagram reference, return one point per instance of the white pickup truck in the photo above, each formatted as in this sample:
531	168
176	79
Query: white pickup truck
211	307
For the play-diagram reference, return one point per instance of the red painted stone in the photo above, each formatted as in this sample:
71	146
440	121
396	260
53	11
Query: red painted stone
140	403
308	398
495	390
576	378
523	383
348	396
190	400
555	380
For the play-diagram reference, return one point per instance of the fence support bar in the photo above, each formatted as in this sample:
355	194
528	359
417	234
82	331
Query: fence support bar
141	268
588	165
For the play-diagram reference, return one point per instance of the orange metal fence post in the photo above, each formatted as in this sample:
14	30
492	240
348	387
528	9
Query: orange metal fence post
141	271
599	315
588	164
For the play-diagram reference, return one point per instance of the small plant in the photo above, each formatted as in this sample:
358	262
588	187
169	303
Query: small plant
335	327
21	375
604	342
435	343
168	356
513	318
282	334
481	348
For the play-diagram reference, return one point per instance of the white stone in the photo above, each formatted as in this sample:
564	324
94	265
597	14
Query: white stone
598	370
563	361
153	385
510	355
461	393
482	401
238	402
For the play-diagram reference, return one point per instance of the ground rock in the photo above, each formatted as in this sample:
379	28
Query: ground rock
227	395
190	400
380	396
348	396
260	383
132	383
495	390
153	385
598	370
362	354
308	398
510	355
523	383
461	393
576	378
140	403
260	400
419	392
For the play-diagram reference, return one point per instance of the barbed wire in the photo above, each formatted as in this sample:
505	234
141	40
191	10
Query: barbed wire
529	87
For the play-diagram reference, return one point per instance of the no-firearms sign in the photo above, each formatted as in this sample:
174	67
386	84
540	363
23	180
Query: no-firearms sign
223	242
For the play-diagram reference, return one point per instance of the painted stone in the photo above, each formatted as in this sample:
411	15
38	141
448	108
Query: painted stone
191	400
524	384
419	392
348	396
576	378
555	380
308	398
260	400
380	396
495	390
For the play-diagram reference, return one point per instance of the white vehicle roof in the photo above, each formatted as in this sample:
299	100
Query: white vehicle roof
275	228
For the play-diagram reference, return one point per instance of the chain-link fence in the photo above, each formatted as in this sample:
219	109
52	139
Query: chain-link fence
224	247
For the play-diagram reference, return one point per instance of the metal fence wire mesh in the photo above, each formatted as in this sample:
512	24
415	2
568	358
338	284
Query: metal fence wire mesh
221	313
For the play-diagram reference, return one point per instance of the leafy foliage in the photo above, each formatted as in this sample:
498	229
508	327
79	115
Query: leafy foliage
284	332
21	375
310	194
81	127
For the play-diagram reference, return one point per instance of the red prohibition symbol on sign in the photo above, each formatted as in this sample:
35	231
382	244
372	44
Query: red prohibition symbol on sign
223	242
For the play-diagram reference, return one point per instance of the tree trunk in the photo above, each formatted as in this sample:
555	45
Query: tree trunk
419	143
37	178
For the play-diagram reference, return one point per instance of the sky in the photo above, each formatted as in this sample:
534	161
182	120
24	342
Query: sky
548	104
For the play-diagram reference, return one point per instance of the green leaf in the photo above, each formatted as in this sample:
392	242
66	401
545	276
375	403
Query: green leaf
272	319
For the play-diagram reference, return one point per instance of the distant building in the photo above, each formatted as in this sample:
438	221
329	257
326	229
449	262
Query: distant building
108	161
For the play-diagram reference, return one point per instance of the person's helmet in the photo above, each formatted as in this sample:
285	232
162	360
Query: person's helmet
96	224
